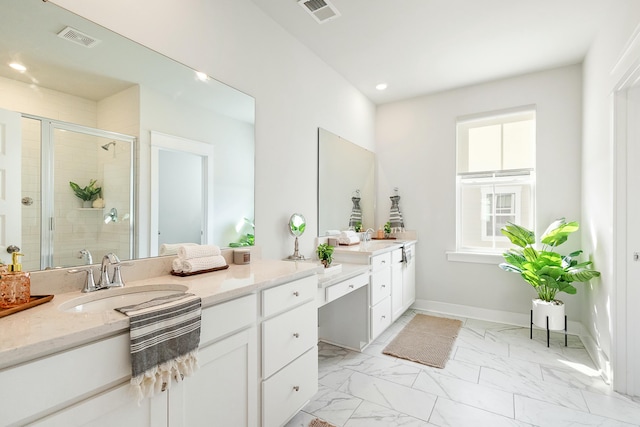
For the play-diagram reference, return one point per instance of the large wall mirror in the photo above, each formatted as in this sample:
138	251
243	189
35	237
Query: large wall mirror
345	171
85	108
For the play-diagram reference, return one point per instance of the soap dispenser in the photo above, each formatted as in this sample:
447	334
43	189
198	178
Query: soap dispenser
15	284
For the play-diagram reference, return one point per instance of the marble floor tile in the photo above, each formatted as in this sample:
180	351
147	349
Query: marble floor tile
371	415
516	367
477	395
332	406
496	376
407	400
390	369
546	414
448	413
613	406
562	395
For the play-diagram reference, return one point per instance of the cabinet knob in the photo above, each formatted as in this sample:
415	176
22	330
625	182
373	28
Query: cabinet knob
351	286
296	388
384	286
296	293
384	317
296	335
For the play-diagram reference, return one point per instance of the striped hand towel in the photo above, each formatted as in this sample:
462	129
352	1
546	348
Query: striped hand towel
165	335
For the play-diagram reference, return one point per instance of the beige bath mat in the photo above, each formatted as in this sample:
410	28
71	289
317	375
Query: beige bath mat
425	339
319	423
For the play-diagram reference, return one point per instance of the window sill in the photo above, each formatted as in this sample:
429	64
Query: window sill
475	257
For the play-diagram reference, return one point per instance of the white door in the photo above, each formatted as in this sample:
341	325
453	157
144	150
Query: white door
10	182
633	241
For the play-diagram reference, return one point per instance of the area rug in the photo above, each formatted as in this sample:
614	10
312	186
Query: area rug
425	339
319	423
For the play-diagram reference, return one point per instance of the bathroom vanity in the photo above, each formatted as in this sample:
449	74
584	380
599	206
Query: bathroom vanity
258	355
376	285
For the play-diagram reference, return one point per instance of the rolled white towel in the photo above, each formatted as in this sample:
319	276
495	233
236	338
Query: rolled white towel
204	263
348	233
177	265
198	251
172	248
348	240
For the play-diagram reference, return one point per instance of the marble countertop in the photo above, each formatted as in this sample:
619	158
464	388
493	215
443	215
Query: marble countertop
45	329
374	247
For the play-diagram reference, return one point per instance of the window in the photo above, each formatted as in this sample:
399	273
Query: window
495	178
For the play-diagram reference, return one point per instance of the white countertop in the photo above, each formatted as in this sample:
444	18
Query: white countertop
45	329
374	247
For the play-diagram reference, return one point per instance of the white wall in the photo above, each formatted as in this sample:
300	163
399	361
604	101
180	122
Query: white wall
599	171
295	92
416	148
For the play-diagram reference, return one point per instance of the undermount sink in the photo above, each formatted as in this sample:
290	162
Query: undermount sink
110	299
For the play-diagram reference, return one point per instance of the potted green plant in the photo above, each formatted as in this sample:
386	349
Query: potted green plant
325	254
86	194
387	229
547	271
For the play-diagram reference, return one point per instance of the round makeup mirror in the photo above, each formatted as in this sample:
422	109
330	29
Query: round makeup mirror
297	224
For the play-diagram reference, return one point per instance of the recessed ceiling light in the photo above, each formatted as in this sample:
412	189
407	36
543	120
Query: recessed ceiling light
202	76
18	67
381	86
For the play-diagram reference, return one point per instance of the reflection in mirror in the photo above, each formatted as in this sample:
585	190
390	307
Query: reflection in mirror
118	86
297	225
345	171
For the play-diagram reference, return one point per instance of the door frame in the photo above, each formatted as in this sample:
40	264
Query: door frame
162	141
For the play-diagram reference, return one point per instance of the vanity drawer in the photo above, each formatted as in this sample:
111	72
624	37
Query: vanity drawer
286	392
380	261
287	336
380	317
227	317
380	285
339	289
283	297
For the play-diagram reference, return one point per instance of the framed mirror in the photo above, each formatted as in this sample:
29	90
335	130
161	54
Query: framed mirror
81	74
346	172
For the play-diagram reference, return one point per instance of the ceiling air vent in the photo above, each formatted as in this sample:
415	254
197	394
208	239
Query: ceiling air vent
321	10
78	37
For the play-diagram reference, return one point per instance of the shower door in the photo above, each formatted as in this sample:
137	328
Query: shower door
72	229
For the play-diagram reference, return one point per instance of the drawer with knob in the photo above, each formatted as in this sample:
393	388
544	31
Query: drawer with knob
380	285
380	317
288	390
334	292
284	297
287	336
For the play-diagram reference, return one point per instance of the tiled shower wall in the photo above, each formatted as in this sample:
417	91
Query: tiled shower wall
79	159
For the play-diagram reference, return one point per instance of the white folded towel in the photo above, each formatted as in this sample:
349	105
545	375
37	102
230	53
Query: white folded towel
205	263
348	240
348	237
177	265
172	248
198	251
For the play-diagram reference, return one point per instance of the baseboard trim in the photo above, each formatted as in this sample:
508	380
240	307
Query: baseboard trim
598	356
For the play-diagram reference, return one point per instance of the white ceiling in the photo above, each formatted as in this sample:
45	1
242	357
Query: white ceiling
424	46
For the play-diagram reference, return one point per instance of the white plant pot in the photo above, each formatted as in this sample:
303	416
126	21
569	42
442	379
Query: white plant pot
553	309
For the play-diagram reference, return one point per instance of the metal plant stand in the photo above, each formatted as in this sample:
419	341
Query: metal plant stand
531	329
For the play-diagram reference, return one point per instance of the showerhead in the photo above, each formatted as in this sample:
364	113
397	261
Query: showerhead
105	147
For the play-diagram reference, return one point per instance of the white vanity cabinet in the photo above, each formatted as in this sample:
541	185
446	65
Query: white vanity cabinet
89	385
289	369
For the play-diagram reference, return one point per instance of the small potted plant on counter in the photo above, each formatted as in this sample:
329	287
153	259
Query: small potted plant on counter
387	229
546	270
86	194
325	255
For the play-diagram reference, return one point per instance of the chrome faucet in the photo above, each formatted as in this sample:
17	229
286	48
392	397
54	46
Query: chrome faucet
86	255
107	260
104	281
368	234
